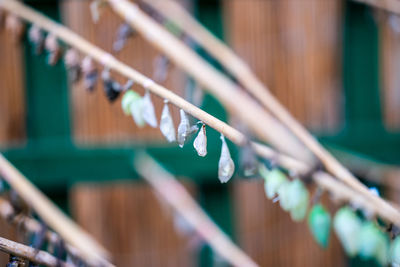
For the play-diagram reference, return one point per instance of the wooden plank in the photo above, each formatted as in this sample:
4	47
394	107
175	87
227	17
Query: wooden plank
12	93
389	35
8	231
295	48
271	238
129	219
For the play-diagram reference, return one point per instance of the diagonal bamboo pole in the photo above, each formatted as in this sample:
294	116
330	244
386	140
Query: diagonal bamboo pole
235	136
177	196
234	99
174	49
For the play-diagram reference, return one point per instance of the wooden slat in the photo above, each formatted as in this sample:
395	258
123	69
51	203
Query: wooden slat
12	93
94	119
294	47
390	65
130	221
9	232
271	238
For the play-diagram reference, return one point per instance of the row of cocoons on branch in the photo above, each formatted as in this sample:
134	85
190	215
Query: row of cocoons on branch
358	236
141	108
142	111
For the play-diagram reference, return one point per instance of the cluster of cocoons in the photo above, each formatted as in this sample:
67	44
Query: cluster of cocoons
357	236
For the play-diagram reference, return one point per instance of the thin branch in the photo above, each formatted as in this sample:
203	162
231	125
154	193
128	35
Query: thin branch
178	197
172	48
235	136
262	124
31	254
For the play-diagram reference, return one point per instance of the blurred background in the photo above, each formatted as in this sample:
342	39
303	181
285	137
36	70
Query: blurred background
333	64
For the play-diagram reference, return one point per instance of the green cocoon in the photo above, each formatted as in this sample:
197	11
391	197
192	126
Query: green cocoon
395	251
273	181
263	171
283	193
128	99
298	200
347	226
319	221
373	243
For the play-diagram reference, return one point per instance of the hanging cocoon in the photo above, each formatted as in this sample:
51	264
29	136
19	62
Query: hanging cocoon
89	74
183	128
319	222
226	167
112	89
132	104
35	36
347	226
200	143
167	124
148	112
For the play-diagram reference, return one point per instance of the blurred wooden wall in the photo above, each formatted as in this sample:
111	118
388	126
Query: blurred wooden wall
271	238
95	120
295	48
129	220
12	93
389	25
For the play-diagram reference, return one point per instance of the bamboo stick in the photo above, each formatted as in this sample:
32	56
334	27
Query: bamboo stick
392	6
234	99
177	196
92	252
235	136
171	47
31	254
